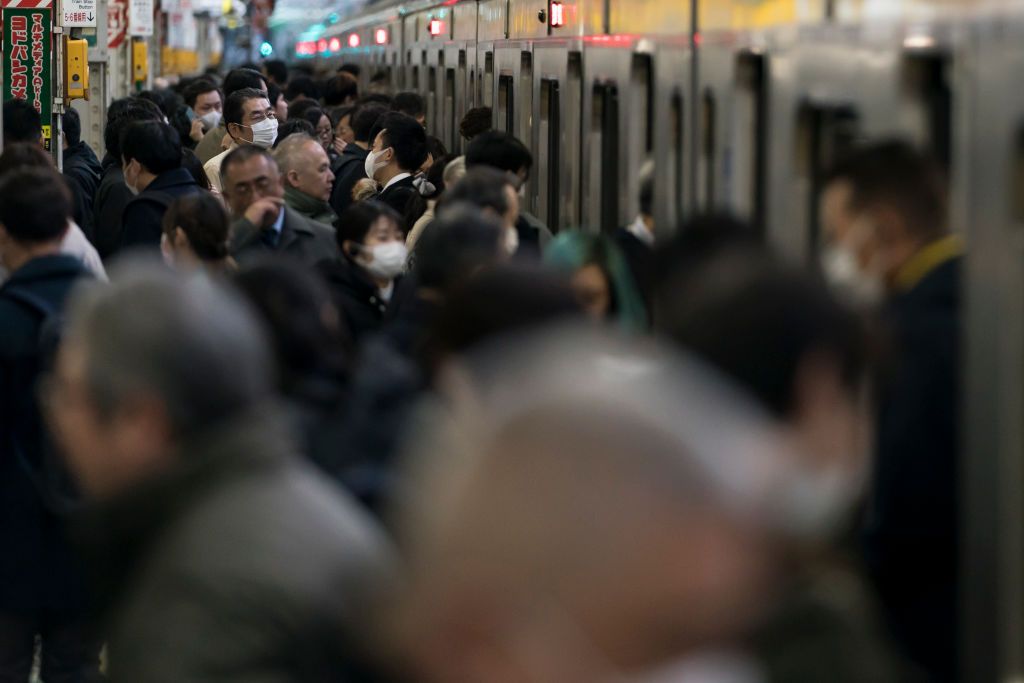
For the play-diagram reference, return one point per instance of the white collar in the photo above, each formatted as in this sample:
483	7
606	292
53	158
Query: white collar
639	230
400	176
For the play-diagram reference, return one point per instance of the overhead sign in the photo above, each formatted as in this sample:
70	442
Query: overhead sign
27	67
140	17
117	23
78	13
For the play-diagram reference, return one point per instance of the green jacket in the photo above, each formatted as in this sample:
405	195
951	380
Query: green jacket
310	207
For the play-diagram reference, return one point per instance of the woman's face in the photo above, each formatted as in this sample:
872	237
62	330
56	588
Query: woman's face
281	109
383	231
344	130
593	291
325	132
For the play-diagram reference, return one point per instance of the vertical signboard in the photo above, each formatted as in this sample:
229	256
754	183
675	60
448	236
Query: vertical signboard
27	67
117	23
140	18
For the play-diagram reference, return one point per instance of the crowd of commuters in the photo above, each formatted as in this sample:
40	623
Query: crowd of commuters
345	411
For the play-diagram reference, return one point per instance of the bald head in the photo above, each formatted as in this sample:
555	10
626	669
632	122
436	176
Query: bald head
305	166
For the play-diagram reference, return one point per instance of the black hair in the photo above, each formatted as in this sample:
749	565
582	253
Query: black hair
647	195
483	187
22	122
460	241
308	110
409	103
336	114
273	94
35	205
72	126
242	154
406	136
205	222
758	320
154	144
500	150
197	87
19	155
295	307
355	222
301	86
476	121
276	69
191	163
436	148
380	76
122	112
241	78
340	88
349	68
701	239
376	98
895	174
167	101
234	108
293	126
364	119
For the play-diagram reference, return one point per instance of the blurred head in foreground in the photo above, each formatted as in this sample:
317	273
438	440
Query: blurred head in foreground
146	364
590	512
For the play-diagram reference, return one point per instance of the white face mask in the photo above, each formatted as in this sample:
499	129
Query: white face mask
388	260
374	163
511	241
210	119
264	133
818	500
844	274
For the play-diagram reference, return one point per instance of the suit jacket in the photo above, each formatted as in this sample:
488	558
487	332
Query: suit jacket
209	146
398	195
301	238
144	215
108	208
350	170
82	171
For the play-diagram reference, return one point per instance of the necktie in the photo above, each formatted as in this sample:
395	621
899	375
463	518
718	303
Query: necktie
271	238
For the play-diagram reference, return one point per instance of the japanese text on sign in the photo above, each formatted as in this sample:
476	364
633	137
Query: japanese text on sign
27	69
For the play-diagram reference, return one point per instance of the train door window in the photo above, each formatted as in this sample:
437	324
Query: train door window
929	103
525	98
643	87
1016	190
604	149
506	113
750	139
488	94
572	119
432	99
676	155
460	102
549	168
708	140
825	134
448	123
416	77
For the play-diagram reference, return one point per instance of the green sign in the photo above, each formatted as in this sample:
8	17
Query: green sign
27	64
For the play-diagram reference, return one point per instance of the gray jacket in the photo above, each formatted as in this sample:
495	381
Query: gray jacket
242	565
301	238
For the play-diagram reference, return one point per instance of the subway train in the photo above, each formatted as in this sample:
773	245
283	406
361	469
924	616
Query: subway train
743	105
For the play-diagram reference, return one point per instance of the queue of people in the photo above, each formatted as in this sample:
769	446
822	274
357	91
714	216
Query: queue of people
290	393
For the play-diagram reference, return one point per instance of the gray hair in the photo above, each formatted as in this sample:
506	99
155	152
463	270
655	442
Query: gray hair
184	339
290	154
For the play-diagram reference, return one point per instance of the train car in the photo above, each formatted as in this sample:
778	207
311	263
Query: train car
742	105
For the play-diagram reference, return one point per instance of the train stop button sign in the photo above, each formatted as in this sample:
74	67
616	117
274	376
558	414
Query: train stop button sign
27	67
78	13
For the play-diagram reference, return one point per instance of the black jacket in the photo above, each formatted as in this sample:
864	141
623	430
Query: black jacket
83	171
350	170
398	195
911	528
640	259
356	297
37	568
108	208
301	238
143	215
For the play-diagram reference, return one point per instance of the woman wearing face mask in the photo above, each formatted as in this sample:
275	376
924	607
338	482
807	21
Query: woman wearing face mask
373	256
195	234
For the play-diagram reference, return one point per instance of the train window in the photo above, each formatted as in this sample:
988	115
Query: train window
1016	189
525	103
432	94
708	140
506	105
750	142
549	136
825	134
572	118
416	77
677	155
450	137
643	87
604	150
488	98
925	81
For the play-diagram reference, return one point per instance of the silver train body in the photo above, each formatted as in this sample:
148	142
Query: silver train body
742	104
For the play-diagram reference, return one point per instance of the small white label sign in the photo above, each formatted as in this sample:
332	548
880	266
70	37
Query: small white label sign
140	17
78	13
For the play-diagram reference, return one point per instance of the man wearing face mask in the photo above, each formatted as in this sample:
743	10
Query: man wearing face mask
237	79
263	225
887	219
307	177
493	192
249	120
204	98
151	160
351	166
399	150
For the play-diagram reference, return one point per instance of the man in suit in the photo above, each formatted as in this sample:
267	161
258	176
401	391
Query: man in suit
263	224
399	150
351	165
237	79
151	152
886	217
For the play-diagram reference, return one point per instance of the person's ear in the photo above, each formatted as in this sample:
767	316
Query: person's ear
293	177
180	238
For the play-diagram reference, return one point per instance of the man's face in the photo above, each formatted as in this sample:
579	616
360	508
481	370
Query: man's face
313	175
344	130
207	102
253	111
248	182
